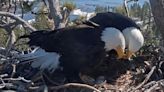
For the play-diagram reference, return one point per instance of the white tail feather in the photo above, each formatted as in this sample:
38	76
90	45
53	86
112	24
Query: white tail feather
42	59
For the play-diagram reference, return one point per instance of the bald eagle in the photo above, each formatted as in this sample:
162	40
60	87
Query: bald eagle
133	37
73	49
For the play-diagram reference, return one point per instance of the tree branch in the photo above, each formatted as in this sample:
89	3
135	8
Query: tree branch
147	78
55	14
75	84
7	14
126	7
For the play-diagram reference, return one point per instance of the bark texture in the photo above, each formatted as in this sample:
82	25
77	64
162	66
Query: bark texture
157	7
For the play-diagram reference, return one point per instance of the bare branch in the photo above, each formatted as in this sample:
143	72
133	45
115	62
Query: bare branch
21	4
10	42
18	79
10	5
7	14
147	78
15	6
44	3
55	12
74	84
10	26
3	75
126	7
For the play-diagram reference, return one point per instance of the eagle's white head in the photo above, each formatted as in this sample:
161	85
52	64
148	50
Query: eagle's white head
134	40
114	39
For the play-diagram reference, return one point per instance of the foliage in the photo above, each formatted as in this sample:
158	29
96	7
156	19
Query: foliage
135	10
42	21
145	11
20	45
151	33
27	6
3	38
120	10
99	9
19	31
69	5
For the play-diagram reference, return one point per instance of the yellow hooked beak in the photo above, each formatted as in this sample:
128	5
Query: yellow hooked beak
128	55
120	52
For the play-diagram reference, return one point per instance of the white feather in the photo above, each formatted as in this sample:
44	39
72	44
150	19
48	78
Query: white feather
134	38
113	38
42	59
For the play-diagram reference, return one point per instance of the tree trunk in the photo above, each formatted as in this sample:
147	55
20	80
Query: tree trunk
55	12
157	7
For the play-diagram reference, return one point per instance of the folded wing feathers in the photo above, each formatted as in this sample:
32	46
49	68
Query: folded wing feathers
41	59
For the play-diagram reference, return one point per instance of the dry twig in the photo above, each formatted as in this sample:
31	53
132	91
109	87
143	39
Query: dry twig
147	78
74	84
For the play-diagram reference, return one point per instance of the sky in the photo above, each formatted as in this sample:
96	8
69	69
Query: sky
89	5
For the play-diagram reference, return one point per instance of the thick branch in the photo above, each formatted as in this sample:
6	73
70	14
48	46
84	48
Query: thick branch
75	84
157	7
126	7
7	14
55	12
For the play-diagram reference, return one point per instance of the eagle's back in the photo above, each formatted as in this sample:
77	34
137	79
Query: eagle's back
110	19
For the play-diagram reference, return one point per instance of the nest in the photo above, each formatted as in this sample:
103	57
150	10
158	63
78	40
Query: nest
144	73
